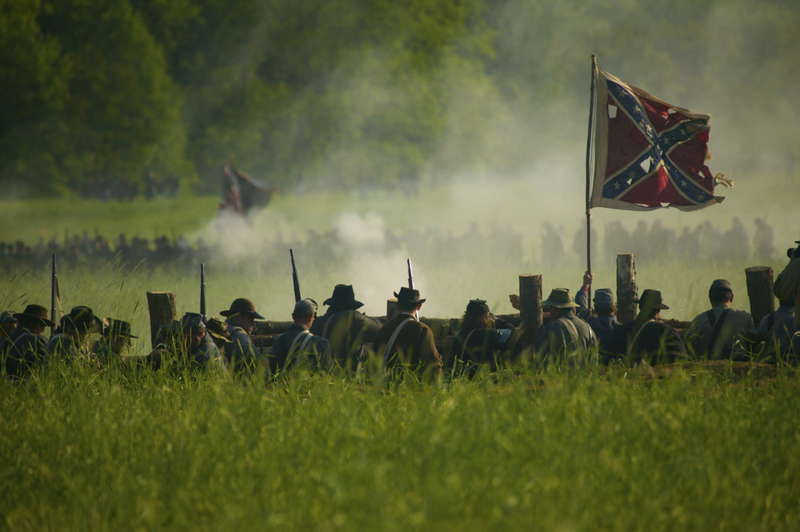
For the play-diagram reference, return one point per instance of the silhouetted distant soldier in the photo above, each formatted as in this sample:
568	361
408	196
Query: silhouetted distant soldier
763	245
719	332
552	246
241	317
405	342
661	238
605	305
735	242
478	342
73	340
647	337
345	328
26	348
617	239
298	347
640	240
566	332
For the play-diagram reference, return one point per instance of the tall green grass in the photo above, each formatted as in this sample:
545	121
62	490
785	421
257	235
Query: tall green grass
82	450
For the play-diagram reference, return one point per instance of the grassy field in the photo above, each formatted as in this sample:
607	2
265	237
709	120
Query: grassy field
582	450
537	451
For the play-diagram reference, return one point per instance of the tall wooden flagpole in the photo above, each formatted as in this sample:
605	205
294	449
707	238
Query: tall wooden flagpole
589	181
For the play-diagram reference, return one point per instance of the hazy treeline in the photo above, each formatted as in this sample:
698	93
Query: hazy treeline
342	93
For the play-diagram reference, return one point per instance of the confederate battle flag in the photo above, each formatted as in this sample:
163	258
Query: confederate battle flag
649	154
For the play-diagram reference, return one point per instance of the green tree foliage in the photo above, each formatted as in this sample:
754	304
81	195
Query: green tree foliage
337	93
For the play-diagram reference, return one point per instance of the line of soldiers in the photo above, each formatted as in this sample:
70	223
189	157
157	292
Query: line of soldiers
433	243
719	333
346	339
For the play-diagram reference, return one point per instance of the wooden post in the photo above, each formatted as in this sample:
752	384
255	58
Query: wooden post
626	288
391	309
163	310
759	289
530	308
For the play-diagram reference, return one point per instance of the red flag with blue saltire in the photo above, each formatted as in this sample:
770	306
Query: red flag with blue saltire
649	154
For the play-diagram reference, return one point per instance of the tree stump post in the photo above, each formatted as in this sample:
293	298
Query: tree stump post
759	290
627	291
163	310
530	308
391	309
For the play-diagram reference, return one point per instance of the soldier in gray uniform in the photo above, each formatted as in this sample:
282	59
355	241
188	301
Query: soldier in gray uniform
241	317
345	328
566	332
73	340
605	304
478	343
26	348
203	352
720	332
298	347
646	338
116	337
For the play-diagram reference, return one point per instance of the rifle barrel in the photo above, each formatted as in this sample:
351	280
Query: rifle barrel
53	294
410	275
203	291
295	280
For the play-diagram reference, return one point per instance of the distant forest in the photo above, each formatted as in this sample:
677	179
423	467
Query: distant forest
348	93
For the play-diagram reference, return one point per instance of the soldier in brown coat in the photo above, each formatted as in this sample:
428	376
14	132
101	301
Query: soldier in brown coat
405	342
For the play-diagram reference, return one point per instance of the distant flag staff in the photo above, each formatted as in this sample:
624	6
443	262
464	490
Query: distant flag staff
648	154
242	193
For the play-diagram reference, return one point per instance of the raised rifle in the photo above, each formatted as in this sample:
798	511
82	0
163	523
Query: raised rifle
203	291
411	284
53	295
295	280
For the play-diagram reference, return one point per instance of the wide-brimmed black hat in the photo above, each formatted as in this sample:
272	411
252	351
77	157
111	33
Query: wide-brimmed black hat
477	308
409	295
35	312
343	297
559	298
651	299
83	319
242	306
118	328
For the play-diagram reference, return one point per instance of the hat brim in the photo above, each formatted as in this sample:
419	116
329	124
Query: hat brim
346	305
660	306
22	315
559	304
229	313
421	301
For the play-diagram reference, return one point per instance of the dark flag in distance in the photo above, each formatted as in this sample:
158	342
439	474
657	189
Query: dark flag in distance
242	193
649	154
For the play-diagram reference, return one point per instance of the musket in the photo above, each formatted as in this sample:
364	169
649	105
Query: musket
203	291
411	284
295	280
53	284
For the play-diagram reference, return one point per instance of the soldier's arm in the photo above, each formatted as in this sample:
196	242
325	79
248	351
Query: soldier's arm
429	355
786	284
